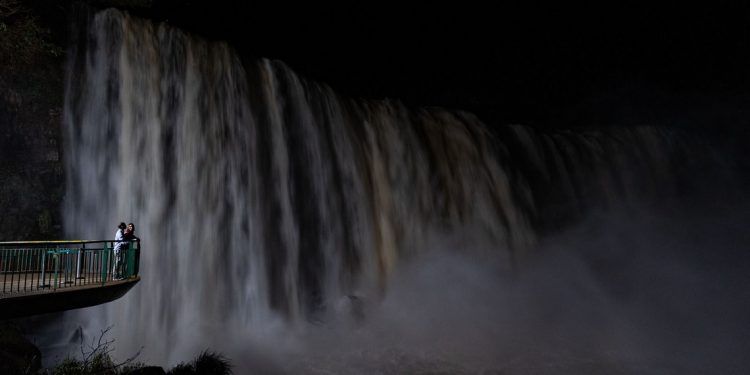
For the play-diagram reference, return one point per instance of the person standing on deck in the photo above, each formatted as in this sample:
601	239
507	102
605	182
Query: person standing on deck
119	243
133	243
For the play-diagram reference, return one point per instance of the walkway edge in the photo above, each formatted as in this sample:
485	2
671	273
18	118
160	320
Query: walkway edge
24	305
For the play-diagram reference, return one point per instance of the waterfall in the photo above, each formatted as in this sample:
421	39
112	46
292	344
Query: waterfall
262	199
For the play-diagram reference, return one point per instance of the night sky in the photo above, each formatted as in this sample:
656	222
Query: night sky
561	66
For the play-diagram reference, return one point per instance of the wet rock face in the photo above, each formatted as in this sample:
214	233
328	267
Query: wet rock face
31	174
32	58
31	94
17	354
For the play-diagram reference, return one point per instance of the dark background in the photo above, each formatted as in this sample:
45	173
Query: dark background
566	65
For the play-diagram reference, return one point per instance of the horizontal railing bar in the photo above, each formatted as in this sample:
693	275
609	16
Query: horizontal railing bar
12	243
52	250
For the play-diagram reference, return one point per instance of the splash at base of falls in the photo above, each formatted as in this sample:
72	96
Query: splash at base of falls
608	295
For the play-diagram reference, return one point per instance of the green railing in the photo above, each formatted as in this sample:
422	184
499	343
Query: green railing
31	266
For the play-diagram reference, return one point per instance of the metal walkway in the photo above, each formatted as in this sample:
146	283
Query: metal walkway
45	276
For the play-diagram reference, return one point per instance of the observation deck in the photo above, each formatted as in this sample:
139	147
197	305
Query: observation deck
38	277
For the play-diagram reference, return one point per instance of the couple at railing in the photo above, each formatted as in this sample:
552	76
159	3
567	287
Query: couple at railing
124	236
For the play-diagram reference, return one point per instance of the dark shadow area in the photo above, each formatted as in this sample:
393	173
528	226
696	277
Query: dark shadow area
23	305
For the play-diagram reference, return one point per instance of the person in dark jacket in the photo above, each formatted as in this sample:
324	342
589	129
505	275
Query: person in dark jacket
133	243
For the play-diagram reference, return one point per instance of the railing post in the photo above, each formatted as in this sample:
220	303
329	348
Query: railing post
66	254
57	268
105	263
137	257
81	250
129	261
15	263
25	268
44	263
5	270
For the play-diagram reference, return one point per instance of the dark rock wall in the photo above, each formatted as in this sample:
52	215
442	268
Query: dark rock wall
17	354
31	94
33	37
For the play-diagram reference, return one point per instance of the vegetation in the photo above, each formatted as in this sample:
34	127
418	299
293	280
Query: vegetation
207	363
96	359
20	356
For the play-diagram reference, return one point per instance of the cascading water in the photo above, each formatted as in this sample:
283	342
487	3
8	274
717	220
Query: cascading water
263	200
259	196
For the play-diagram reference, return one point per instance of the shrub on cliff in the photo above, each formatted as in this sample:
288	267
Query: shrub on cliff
95	359
207	363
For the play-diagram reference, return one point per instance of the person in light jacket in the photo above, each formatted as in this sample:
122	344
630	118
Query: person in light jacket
119	244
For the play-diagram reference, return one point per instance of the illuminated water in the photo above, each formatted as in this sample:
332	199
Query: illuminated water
281	220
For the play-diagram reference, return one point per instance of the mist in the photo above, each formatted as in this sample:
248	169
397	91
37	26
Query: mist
648	291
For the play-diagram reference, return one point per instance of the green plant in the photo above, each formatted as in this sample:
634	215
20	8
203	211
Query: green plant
69	366
96	359
207	363
211	363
